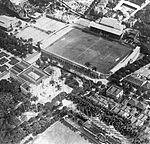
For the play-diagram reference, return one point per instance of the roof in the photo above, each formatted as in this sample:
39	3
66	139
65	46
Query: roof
130	4
114	90
25	86
141	105
135	80
6	21
110	25
32	75
146	86
19	67
137	104
132	102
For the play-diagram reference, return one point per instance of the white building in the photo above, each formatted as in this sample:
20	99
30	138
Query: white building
6	22
127	8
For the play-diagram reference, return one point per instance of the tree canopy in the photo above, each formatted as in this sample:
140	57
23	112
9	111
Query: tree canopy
143	23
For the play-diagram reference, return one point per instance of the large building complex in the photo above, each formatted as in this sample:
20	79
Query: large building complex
27	74
79	47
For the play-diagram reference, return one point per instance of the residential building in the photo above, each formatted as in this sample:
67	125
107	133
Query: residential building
135	81
115	92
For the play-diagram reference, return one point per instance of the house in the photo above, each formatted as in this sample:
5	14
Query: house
137	104
115	92
133	119
138	123
135	81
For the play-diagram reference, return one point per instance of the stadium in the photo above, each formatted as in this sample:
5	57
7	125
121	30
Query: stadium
80	47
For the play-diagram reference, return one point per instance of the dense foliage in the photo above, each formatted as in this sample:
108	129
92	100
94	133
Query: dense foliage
40	2
16	46
138	2
143	23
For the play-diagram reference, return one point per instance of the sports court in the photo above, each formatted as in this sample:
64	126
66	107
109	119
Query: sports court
82	47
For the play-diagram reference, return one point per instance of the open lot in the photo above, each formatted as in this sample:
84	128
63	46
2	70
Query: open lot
59	134
83	47
48	24
31	32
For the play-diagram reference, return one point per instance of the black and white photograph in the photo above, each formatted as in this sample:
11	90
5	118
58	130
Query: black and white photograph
74	71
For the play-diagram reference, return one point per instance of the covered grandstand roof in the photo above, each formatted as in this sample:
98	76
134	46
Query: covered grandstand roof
110	25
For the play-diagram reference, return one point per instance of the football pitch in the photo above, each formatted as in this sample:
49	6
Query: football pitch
82	47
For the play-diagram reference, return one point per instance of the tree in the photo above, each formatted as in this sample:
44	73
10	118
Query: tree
94	68
87	64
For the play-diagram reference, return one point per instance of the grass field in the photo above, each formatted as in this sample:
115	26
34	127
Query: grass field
82	47
59	134
48	24
33	33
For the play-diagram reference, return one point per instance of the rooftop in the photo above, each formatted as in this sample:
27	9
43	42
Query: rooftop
32	75
114	90
110	25
6	21
136	103
135	80
19	67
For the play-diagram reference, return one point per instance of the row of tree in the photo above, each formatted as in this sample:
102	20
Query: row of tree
90	108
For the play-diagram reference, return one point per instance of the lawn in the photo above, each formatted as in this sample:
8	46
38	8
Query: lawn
82	47
59	134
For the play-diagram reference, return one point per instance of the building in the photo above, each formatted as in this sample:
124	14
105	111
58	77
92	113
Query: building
27	74
32	75
135	81
143	72
109	26
33	57
127	8
77	47
115	92
137	104
7	23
